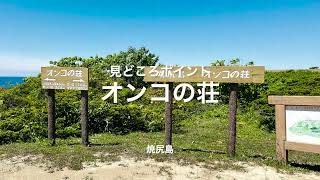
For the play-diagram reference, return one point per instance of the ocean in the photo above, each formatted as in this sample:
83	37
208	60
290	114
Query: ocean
7	82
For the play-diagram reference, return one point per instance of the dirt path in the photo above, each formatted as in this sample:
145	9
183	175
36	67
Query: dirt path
16	168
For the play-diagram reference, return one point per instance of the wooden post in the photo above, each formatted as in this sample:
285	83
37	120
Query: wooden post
51	116
232	119
282	153
168	125
84	118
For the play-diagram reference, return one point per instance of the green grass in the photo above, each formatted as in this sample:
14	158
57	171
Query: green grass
201	138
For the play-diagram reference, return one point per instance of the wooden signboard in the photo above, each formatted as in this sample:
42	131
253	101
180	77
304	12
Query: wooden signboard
70	78
225	74
297	124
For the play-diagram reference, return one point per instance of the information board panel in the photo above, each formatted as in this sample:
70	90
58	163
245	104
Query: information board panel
303	124
69	78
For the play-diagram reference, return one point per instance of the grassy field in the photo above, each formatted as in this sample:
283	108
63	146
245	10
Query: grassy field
201	138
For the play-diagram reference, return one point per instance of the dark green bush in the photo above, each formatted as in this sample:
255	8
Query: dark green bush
290	83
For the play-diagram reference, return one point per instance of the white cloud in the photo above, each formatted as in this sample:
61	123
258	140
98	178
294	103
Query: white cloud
21	66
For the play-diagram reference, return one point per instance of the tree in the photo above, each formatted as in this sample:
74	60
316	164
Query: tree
218	63
99	65
235	61
314	67
250	63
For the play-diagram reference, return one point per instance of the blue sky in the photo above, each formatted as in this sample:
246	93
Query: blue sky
279	34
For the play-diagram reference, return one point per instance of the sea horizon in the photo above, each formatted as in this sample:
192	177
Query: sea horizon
10	81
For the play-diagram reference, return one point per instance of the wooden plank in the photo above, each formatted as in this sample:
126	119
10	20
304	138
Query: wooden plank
70	78
51	116
168	125
295	100
302	147
282	153
84	118
232	120
226	74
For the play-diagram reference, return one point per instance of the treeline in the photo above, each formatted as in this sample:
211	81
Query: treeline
23	109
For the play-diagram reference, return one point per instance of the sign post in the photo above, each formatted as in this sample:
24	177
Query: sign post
168	125
232	119
51	116
297	124
69	78
84	118
224	74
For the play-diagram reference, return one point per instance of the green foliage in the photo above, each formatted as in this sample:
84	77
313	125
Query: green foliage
202	139
23	108
255	96
290	83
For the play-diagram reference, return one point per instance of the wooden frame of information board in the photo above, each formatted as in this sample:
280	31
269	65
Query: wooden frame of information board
282	105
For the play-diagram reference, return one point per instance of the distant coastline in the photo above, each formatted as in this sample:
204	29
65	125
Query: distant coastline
8	81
